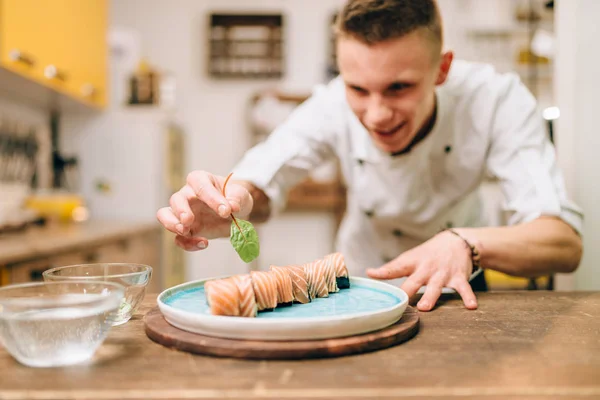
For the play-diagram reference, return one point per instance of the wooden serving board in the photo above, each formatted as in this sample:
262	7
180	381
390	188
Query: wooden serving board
160	331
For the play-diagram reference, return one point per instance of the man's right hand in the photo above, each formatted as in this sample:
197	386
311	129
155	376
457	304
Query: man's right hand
199	211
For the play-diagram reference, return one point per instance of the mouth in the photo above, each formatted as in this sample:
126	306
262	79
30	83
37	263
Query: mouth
389	133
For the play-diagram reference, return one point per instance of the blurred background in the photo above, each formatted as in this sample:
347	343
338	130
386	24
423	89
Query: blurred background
106	105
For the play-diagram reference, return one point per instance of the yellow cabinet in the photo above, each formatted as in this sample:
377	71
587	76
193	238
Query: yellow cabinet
20	48
61	44
85	49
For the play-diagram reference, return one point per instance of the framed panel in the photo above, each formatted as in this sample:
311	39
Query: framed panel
246	46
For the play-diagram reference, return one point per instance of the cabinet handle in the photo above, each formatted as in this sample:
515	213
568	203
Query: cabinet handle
88	90
51	72
17	55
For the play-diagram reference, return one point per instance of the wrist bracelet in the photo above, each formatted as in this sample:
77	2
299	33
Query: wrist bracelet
475	255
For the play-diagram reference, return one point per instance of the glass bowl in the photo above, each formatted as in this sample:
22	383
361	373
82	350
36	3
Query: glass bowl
51	324
134	277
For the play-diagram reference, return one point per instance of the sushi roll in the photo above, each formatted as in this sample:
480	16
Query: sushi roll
315	276
299	283
223	297
248	307
330	279
341	271
265	289
285	292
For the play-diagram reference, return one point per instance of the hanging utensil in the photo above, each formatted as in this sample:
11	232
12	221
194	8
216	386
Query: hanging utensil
7	152
4	139
13	155
31	151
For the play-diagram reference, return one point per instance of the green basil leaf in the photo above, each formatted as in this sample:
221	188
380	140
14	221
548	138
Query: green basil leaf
246	241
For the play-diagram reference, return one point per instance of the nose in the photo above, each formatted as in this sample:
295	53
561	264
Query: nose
378	113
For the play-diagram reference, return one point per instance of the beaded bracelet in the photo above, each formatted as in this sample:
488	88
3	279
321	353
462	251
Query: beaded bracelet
475	255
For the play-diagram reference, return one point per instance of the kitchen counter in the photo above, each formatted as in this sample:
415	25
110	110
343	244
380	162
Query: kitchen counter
45	241
26	255
516	345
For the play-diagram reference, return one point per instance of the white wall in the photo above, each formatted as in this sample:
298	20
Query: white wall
23	112
578	140
486	31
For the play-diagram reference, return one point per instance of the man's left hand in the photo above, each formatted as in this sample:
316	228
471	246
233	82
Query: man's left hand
442	261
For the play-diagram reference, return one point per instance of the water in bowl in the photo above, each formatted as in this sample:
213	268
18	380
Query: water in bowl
56	336
130	303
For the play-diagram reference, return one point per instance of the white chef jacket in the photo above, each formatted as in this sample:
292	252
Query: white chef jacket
487	123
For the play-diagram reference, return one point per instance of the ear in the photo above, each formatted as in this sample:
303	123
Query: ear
445	64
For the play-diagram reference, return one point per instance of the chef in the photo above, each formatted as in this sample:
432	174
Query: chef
415	132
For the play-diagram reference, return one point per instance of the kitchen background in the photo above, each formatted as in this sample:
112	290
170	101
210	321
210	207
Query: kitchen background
105	106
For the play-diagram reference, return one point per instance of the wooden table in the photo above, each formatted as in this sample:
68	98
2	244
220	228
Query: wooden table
516	345
56	238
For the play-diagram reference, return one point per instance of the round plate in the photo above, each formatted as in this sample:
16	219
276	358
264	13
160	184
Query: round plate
368	305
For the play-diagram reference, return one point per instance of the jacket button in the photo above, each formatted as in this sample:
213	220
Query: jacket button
397	232
369	213
448	149
360	162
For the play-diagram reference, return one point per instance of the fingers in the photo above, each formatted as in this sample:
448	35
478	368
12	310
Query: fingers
167	218
204	188
397	268
412	285
180	206
239	199
466	292
432	293
191	243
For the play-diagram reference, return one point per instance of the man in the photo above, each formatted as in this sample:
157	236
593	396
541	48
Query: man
415	133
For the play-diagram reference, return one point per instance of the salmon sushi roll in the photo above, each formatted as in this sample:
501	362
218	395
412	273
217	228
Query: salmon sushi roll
341	271
299	283
315	276
265	289
285	292
248	307
330	278
223	297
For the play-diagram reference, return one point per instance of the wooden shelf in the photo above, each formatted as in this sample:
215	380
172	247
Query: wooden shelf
246	46
317	196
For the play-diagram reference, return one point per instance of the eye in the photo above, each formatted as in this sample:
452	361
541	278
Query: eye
398	86
358	90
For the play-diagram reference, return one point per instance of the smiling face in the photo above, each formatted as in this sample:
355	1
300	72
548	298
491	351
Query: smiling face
390	85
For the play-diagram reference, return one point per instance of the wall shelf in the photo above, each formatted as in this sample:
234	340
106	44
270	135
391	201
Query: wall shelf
248	46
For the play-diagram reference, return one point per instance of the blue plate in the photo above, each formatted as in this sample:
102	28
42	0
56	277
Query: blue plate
366	306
